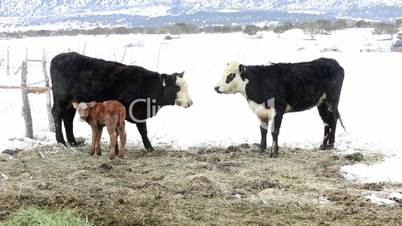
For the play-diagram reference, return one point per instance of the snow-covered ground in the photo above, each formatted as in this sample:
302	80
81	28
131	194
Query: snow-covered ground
369	103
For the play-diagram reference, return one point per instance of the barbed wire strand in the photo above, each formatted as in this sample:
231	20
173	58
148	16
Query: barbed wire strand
35	83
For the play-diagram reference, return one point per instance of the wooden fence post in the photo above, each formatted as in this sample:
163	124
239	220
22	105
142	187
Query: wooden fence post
25	101
48	94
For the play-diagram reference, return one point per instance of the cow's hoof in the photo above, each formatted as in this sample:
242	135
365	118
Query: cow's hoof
80	143
111	157
273	154
73	144
262	150
63	143
122	153
327	147
150	149
91	153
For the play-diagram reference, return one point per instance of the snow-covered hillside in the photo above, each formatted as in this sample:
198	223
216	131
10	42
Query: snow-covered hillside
368	102
53	7
192	11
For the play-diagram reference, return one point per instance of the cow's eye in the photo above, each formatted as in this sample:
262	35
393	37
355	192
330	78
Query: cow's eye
177	89
230	77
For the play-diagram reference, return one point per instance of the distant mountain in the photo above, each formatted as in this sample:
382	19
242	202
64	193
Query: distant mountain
159	12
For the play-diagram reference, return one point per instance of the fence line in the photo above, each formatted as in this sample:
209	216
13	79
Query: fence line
27	88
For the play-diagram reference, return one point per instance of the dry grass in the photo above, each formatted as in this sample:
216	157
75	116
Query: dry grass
234	186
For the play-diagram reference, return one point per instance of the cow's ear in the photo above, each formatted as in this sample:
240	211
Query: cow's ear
75	105
91	104
163	77
242	70
181	75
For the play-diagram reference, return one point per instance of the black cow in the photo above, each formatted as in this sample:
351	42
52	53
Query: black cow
80	78
276	89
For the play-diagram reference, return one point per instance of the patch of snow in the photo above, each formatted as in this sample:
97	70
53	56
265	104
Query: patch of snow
395	196
379	201
8	26
312	12
323	200
27	143
228	10
386	171
3	176
149	11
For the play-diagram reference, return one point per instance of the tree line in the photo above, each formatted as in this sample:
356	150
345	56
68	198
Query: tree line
309	27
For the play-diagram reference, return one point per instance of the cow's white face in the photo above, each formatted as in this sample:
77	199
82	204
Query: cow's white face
183	98
83	108
231	81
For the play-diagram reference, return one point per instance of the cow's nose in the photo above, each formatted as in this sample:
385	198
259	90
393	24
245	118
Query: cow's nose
190	103
217	89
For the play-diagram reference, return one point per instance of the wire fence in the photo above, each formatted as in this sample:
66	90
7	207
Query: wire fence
28	87
36	83
35	67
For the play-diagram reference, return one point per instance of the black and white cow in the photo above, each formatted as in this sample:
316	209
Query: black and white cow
80	78
273	90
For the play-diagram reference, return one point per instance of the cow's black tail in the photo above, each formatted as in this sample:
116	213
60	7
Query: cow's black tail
340	120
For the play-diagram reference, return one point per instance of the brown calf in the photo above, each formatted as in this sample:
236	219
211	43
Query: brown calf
111	114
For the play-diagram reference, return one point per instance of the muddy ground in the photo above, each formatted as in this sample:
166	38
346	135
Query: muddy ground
202	186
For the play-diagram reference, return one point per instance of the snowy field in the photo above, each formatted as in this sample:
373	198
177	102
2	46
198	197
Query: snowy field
369	102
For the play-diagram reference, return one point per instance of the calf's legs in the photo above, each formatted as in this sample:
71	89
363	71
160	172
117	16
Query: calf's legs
98	140
123	137
114	133
94	140
96	137
116	148
113	140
